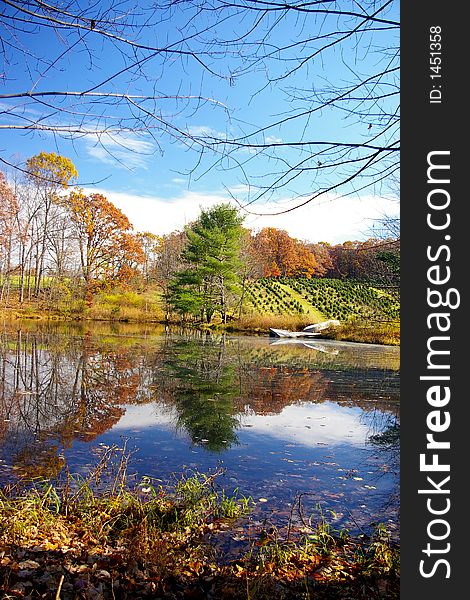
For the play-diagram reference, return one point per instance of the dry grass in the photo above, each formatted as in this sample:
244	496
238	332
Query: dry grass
125	306
387	333
263	322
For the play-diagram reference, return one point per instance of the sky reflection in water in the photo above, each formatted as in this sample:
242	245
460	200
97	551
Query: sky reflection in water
281	420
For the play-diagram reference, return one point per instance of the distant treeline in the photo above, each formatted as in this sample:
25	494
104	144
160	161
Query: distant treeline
57	240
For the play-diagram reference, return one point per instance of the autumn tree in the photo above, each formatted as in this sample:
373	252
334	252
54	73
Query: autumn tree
28	236
348	262
373	260
50	175
9	210
281	255
168	262
108	249
251	267
151	246
212	264
321	252
387	231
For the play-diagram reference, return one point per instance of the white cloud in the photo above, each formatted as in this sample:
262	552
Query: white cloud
147	415
308	424
159	215
122	150
272	139
205	131
335	221
311	424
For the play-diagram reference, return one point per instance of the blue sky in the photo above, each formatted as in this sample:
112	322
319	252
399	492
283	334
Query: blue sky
158	181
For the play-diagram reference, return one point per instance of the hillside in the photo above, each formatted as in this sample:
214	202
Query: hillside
322	299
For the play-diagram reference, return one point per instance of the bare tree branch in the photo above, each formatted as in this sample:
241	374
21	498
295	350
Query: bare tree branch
324	59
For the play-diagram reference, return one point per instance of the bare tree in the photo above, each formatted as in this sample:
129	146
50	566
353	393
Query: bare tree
148	69
386	227
9	210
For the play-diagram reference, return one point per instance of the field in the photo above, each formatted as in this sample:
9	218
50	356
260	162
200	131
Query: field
322	299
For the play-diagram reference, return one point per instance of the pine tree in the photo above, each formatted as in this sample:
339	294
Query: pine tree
212	264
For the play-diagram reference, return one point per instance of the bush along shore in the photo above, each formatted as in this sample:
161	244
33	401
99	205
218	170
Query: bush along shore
98	537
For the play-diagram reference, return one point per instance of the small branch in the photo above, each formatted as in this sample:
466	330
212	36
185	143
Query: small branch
57	596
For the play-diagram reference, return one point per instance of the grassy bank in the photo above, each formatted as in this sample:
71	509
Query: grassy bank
120	305
387	333
95	537
367	314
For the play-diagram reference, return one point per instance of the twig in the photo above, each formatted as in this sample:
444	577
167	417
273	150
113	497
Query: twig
57	596
355	522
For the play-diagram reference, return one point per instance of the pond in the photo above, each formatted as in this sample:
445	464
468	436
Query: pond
291	424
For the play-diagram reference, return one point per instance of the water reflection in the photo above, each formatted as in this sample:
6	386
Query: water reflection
280	417
61	389
198	378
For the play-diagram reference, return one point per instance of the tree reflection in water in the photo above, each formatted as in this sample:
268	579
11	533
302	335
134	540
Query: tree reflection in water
55	390
58	388
198	378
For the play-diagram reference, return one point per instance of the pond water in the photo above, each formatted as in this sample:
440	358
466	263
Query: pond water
282	419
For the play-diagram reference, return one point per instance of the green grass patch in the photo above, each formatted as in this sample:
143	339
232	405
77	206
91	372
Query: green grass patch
308	307
323	299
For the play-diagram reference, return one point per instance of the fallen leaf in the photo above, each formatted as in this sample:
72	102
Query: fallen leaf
28	564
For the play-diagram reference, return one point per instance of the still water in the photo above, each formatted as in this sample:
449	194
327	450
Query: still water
319	419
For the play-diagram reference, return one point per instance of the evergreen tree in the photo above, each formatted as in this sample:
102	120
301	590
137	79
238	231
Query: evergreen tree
212	264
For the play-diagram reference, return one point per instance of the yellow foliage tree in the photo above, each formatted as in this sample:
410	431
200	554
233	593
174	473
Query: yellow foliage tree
49	173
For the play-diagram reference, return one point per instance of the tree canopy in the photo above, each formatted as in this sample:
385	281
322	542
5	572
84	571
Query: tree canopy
108	249
65	245
280	254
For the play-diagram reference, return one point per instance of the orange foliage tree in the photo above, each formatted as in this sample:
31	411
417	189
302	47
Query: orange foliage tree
278	254
109	251
364	260
321	252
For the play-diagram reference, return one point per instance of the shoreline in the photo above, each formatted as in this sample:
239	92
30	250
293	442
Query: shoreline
63	539
353	331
